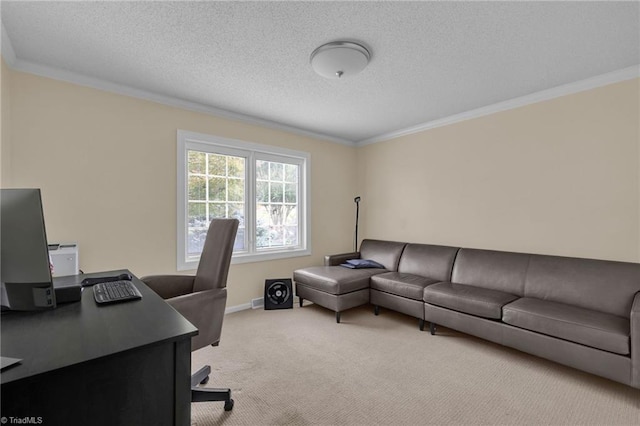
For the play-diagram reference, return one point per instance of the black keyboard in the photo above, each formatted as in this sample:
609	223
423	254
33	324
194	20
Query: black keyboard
115	291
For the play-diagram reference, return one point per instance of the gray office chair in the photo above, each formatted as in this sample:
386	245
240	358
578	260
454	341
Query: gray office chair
202	298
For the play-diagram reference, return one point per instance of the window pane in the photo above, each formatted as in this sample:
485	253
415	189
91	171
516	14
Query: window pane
217	165
290	193
217	210
291	236
236	211
277	192
291	216
262	170
236	167
262	191
276	236
262	213
236	189
196	162
197	227
195	241
262	225
238	244
283	214
197	214
262	237
218	189
276	171
277	204
291	173
275	214
197	188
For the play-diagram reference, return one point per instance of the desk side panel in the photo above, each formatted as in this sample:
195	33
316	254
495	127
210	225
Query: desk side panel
133	387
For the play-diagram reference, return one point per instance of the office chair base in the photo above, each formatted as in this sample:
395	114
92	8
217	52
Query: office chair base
201	376
212	395
199	394
228	405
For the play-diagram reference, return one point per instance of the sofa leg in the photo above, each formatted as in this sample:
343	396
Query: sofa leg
301	299
338	317
421	324
432	328
376	310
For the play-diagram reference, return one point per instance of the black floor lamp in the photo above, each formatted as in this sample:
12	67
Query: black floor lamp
355	243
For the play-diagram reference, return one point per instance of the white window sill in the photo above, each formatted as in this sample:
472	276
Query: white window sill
249	258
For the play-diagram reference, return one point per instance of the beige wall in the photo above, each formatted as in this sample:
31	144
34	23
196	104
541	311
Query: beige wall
5	153
558	177
106	164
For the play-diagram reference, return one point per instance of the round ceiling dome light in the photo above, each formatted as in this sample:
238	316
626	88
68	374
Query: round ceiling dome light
339	59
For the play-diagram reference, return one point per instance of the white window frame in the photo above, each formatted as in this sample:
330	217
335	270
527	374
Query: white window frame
251	151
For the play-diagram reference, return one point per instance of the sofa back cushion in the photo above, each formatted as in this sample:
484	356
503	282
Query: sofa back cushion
428	261
495	270
385	252
600	285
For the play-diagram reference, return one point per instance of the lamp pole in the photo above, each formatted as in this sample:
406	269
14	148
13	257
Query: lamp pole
355	243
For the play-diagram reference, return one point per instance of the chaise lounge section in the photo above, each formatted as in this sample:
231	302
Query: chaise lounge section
583	313
337	288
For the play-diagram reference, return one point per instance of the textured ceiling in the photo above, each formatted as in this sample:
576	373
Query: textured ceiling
429	59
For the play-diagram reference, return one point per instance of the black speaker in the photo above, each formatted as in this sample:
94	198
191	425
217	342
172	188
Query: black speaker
278	294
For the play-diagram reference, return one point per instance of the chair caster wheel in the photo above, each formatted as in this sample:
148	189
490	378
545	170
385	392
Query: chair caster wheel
204	381
228	405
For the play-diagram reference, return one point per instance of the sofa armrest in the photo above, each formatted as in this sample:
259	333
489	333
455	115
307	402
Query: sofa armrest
168	286
635	342
337	259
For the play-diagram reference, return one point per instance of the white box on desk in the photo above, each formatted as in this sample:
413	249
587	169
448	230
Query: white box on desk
64	259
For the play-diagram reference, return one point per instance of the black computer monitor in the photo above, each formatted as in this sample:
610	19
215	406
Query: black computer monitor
25	270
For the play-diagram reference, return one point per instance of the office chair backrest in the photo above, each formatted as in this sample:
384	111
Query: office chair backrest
213	267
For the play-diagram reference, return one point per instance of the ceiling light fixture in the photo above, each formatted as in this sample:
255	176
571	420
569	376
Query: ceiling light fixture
339	59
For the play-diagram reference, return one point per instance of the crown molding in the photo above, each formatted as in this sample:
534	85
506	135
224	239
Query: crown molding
6	48
107	86
544	95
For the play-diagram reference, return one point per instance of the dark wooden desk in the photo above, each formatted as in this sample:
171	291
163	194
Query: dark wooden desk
84	364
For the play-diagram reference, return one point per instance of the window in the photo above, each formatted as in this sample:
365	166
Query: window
262	186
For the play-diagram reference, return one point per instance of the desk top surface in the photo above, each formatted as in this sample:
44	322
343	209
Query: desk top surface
83	331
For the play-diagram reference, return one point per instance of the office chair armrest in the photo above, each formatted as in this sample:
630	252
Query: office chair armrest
168	286
204	309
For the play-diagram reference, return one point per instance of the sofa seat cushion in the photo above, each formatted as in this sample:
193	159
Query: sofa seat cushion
471	300
335	279
585	326
401	284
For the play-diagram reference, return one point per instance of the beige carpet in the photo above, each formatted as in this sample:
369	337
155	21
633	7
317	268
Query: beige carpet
297	367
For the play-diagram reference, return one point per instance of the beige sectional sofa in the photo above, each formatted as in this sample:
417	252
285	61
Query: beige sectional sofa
583	313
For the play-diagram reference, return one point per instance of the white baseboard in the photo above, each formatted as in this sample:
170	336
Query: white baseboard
237	308
254	304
